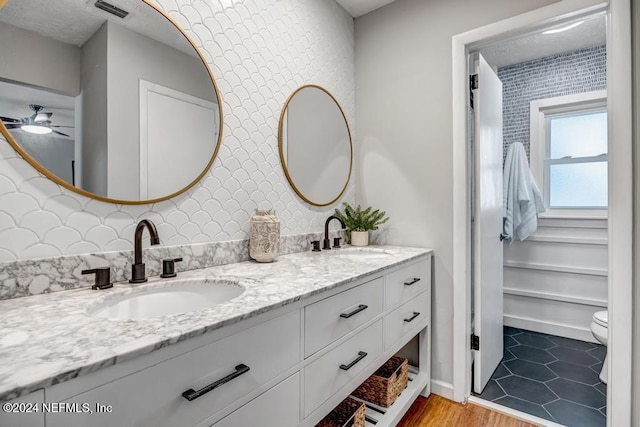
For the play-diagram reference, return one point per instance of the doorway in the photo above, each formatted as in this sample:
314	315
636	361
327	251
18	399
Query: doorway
548	100
619	260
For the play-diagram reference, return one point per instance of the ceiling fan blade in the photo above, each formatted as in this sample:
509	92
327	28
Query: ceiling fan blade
12	125
9	119
60	133
58	126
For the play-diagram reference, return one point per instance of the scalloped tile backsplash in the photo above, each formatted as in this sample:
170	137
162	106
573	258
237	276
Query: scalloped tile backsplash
260	51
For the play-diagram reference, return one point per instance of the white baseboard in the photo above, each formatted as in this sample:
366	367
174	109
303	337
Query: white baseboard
442	389
550	328
513	412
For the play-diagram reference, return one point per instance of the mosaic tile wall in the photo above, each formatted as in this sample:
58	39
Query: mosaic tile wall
259	51
583	70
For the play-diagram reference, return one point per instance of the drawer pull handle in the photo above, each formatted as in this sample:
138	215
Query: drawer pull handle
415	280
360	308
191	394
361	355
410	319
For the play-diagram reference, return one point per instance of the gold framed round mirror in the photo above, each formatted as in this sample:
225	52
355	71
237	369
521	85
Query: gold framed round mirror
108	98
314	141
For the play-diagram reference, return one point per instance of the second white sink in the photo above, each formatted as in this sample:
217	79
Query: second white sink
178	296
363	253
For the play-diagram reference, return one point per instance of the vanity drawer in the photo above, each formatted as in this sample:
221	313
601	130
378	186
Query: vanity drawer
404	284
260	411
410	317
327	320
328	374
154	396
25	411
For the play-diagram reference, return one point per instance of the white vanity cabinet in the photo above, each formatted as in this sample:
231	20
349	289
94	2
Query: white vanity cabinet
278	407
286	367
25	411
155	396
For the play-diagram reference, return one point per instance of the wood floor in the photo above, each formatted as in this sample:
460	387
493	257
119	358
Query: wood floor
437	411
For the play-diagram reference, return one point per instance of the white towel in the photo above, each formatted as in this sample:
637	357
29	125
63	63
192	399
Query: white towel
522	200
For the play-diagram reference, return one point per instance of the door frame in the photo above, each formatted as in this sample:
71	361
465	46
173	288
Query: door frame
146	87
619	82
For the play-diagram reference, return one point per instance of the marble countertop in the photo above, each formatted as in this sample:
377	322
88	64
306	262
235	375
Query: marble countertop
50	338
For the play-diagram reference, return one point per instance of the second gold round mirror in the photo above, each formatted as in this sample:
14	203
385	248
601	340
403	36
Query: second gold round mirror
315	145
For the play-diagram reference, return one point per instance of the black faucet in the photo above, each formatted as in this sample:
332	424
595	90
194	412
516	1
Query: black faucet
327	242
138	272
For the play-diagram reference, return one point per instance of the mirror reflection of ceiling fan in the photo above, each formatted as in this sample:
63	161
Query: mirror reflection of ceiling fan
38	123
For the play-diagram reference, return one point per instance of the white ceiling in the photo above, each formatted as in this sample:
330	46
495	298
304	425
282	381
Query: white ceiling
360	7
591	32
75	21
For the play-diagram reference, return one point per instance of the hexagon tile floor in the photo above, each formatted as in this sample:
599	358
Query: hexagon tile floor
551	377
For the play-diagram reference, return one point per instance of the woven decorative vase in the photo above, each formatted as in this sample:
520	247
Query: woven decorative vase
264	237
386	384
348	413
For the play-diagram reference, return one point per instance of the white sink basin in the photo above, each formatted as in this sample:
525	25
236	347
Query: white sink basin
361	253
178	296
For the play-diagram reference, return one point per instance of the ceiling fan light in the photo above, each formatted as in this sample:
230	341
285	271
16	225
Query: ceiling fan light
41	117
36	129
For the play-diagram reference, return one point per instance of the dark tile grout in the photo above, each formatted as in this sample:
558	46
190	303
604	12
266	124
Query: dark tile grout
535	348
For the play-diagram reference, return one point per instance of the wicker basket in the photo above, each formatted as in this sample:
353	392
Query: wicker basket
386	384
349	413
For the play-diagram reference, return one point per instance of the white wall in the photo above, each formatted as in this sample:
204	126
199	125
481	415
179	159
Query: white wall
94	113
131	57
404	130
258	63
635	396
49	64
556	279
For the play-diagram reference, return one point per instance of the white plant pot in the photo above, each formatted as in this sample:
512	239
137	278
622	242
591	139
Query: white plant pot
359	238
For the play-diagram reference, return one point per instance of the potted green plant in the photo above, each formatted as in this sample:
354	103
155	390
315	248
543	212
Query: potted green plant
358	222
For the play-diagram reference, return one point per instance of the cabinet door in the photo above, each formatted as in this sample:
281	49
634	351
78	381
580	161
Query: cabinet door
278	407
405	283
410	317
336	316
335	369
154	396
25	411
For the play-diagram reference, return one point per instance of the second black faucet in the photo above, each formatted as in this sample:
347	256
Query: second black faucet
327	242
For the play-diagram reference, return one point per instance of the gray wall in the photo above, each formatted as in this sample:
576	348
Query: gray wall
404	130
580	71
132	57
50	151
49	64
94	113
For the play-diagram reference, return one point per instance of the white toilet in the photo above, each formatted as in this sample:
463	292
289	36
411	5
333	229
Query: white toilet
599	329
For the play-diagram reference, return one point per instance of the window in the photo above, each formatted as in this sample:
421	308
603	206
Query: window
569	152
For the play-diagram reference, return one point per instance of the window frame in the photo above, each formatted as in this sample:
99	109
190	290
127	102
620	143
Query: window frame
540	111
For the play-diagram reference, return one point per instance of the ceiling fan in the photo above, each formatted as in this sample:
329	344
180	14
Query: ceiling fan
38	123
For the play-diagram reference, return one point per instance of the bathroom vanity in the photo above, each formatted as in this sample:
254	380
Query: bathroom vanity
304	333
